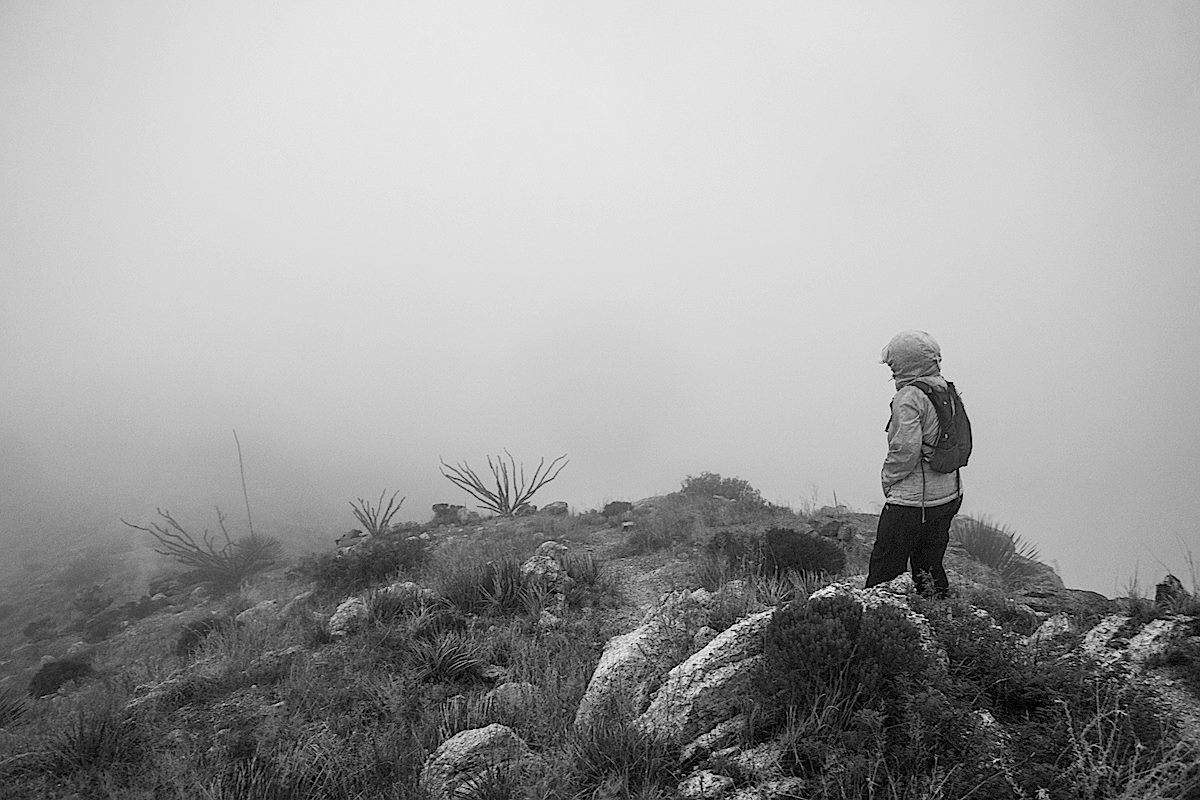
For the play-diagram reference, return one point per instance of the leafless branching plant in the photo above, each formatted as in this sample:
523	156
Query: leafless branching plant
226	565
512	490
377	519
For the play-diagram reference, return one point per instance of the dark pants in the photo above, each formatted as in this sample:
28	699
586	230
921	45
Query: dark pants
913	538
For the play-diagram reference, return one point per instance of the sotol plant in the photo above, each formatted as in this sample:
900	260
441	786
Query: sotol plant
994	546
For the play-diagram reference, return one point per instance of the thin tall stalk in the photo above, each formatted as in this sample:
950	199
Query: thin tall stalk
245	494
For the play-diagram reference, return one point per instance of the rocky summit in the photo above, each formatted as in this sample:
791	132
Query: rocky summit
700	646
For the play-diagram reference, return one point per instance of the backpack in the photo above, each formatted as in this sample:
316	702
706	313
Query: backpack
953	446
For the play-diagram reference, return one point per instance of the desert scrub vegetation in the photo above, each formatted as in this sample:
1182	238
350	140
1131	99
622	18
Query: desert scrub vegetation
703	506
225	565
785	549
387	555
865	708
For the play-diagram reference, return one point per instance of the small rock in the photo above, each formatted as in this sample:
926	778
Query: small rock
508	699
350	614
703	637
557	508
704	785
1170	593
260	612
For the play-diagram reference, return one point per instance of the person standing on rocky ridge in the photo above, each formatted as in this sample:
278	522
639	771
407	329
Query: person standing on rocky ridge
914	527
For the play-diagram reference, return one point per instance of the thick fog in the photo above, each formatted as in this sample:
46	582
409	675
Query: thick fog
660	238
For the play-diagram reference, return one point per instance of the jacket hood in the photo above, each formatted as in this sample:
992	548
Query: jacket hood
912	355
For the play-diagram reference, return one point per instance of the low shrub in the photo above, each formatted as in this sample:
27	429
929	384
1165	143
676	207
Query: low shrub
192	634
38	629
784	549
712	484
91	601
370	563
54	674
1182	659
739	547
669	522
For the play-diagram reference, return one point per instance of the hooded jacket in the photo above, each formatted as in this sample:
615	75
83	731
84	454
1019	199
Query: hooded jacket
912	428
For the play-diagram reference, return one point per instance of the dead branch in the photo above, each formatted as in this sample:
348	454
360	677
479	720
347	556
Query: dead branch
512	490
229	563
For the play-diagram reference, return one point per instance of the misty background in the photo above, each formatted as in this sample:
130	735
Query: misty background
661	238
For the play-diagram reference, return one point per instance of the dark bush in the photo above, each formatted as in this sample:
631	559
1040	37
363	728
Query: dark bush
192	634
616	508
91	601
832	647
738	547
785	549
40	628
54	674
711	484
368	564
101	626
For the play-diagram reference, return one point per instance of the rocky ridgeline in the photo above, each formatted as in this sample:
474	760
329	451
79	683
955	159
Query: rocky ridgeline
678	680
675	677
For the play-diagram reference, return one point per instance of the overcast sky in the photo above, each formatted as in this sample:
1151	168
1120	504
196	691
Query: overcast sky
662	238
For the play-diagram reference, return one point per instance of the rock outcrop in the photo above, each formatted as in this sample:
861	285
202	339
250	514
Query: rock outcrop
467	755
633	665
707	688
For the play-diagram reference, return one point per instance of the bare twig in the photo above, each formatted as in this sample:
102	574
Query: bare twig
512	490
377	519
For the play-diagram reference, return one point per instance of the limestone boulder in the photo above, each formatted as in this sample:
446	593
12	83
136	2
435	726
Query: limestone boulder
1046	602
633	665
708	688
467	755
558	508
704	785
1119	637
350	615
1170	593
260	613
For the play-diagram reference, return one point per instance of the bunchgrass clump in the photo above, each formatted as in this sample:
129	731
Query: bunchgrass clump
13	707
97	739
450	658
621	755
